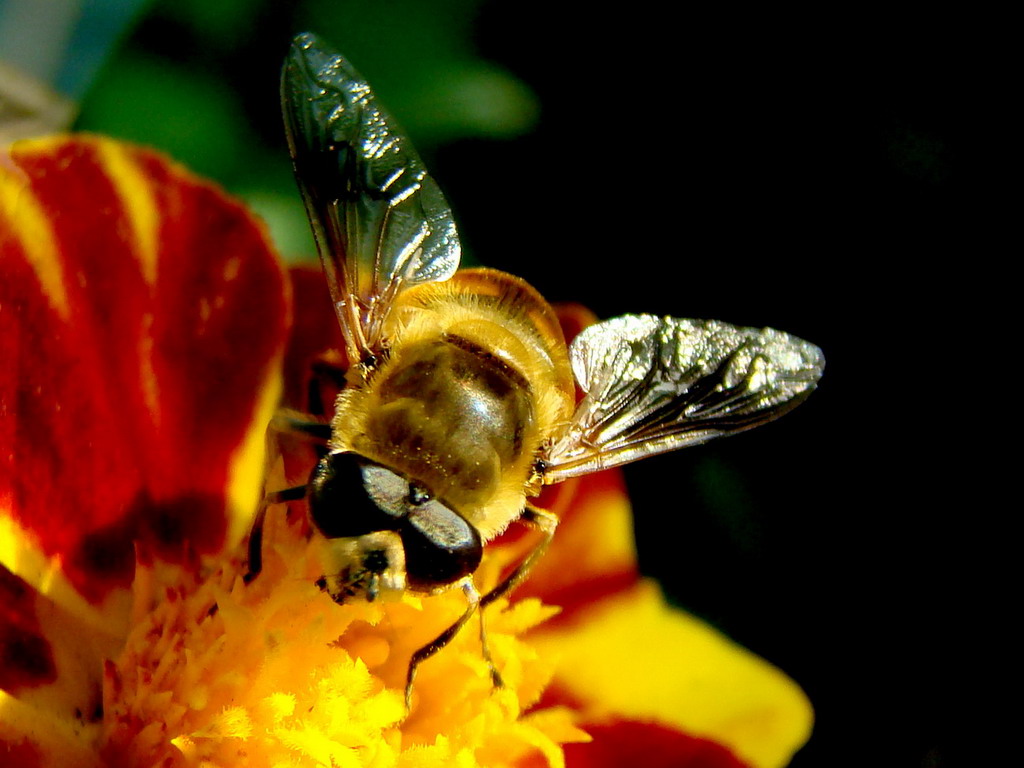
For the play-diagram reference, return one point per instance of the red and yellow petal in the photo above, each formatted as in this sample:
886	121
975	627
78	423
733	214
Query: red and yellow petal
641	673
653	685
143	315
593	554
633	660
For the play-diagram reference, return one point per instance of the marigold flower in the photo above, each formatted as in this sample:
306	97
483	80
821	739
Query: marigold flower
143	324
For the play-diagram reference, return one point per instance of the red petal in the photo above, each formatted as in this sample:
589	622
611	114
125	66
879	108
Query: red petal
593	554
628	743
141	314
315	332
573	318
20	754
313	346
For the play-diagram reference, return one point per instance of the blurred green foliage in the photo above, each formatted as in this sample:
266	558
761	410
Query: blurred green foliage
195	118
199	81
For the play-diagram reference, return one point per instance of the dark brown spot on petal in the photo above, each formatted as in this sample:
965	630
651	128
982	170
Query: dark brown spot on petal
173	530
93	714
104	559
26	660
16	596
196	521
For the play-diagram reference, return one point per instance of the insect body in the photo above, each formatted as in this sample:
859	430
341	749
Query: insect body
444	427
460	403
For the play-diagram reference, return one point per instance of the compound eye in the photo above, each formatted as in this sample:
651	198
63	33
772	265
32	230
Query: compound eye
391	492
440	547
349	497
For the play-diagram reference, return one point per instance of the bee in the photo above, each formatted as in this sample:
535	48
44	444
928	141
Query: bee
459	404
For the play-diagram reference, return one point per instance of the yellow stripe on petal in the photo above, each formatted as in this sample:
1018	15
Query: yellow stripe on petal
137	198
136	193
634	656
247	471
148	381
245	476
12	543
22	219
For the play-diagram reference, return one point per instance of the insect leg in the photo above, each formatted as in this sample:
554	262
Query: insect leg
439	642
291	422
256	532
540	518
496	680
547	523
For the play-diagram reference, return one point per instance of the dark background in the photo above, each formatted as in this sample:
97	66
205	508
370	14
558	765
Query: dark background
821	174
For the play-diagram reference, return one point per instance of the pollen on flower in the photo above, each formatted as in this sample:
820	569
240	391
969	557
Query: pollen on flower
275	673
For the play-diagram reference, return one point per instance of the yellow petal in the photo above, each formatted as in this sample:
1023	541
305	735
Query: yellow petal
634	656
45	739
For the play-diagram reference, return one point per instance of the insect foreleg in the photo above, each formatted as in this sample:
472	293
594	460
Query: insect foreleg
256	532
291	422
285	422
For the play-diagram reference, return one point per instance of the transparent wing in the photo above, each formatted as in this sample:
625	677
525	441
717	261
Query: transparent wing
380	221
656	384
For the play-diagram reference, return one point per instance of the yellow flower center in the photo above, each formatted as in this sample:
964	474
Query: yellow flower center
276	674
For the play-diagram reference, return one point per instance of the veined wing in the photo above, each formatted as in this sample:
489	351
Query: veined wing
380	221
656	384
